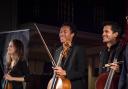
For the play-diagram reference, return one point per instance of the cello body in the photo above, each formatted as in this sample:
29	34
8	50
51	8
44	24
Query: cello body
61	83
110	80
101	81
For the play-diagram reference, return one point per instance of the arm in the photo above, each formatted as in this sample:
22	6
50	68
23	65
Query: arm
21	70
10	78
25	70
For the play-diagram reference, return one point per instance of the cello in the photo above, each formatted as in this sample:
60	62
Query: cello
55	82
110	80
59	83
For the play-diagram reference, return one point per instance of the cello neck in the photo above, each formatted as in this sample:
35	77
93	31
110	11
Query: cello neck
60	59
109	79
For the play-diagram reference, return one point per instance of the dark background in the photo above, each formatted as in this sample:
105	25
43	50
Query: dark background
87	15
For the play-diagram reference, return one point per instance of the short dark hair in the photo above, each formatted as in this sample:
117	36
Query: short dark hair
114	27
71	25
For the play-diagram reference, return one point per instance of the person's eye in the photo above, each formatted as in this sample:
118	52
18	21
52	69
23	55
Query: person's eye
11	46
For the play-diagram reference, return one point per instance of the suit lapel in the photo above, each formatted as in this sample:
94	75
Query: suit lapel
70	56
57	54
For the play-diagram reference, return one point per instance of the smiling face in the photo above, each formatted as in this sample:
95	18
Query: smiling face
108	35
65	34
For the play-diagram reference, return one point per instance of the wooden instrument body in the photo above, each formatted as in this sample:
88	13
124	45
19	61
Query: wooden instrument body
59	82
62	83
6	85
101	81
110	80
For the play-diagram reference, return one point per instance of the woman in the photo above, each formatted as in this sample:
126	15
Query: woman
16	66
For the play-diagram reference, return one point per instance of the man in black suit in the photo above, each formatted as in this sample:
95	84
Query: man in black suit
72	65
115	49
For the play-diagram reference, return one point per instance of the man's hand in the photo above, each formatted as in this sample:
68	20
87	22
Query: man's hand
114	66
59	71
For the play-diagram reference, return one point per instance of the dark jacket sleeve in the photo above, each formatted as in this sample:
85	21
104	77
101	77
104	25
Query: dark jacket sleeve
25	70
77	70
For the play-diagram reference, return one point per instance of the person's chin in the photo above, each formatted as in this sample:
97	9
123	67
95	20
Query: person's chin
61	41
104	41
9	53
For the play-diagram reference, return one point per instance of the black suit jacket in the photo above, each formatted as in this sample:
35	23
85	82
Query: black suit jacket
122	56
74	65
